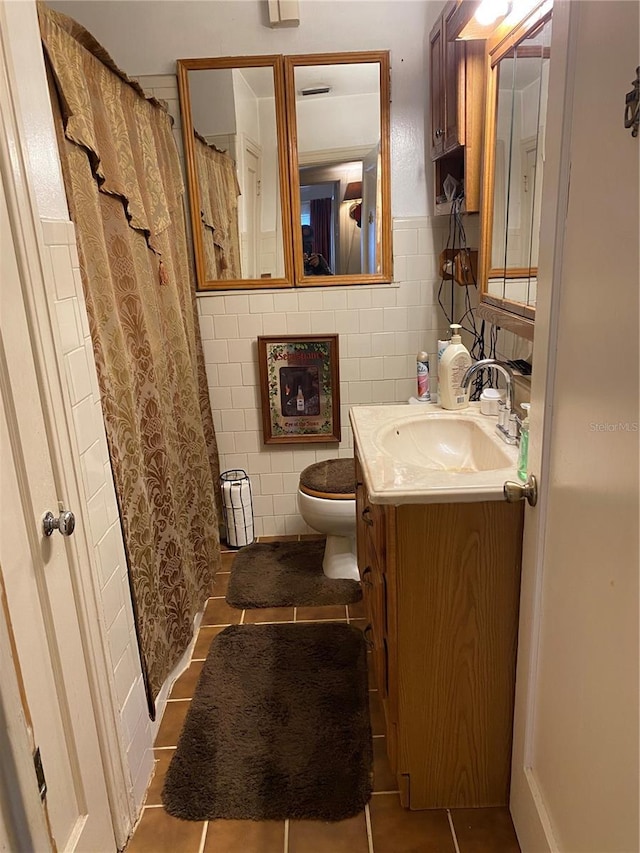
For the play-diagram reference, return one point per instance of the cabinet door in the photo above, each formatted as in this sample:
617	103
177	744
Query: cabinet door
437	93
361	538
453	64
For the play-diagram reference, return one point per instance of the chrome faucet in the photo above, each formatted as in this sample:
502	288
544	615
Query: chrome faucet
507	426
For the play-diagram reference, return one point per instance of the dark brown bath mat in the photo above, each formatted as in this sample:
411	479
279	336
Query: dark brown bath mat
278	727
286	574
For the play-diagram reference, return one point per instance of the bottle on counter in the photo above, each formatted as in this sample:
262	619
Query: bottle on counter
422	365
523	452
454	363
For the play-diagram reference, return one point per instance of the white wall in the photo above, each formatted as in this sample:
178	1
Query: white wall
213	109
270	183
351	121
247	117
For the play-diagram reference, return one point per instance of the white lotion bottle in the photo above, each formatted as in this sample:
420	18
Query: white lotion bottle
453	365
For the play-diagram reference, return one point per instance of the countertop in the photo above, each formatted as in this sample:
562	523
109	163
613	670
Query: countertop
392	481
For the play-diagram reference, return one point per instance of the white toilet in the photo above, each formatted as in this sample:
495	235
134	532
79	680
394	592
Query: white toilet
327	502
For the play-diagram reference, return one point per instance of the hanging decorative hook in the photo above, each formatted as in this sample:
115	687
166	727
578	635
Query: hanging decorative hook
632	106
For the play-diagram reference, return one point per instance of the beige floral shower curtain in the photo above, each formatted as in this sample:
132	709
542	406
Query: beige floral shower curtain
219	191
125	195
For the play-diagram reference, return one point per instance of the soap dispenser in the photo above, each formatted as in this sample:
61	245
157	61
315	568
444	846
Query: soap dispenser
523	453
454	364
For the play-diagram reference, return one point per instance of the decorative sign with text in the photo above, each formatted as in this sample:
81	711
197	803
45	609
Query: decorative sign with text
299	387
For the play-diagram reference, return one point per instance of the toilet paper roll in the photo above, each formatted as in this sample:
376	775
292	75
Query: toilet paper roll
236	494
238	512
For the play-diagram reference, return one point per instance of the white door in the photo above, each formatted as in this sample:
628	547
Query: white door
369	223
43	605
250	205
575	760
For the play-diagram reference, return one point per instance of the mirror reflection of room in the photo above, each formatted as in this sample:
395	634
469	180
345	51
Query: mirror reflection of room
519	160
338	147
236	154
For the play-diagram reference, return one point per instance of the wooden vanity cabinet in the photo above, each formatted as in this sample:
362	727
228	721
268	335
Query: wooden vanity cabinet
441	586
376	562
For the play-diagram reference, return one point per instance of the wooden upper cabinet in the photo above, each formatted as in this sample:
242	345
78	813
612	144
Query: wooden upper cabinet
437	91
454	65
447	67
457	87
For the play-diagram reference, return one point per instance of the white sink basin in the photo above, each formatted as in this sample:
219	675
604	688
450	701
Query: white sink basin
444	443
425	454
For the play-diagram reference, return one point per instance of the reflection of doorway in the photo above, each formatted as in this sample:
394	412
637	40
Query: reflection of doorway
336	169
369	220
498	237
250	179
312	193
528	156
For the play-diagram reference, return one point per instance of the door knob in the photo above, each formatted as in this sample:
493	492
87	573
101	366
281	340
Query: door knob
65	523
514	492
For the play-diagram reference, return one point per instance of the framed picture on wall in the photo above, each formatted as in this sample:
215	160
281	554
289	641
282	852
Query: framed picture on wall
299	388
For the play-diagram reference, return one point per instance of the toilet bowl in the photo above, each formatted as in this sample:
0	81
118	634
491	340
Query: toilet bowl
327	502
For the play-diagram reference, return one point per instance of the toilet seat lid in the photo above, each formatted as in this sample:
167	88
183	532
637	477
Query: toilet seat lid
332	479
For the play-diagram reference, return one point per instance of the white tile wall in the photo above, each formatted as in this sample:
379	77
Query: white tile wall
381	328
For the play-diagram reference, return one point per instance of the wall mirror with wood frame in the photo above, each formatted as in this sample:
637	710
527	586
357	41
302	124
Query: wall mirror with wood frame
288	158
518	76
233	123
338	119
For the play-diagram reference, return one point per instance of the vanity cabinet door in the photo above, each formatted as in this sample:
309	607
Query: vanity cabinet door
361	539
365	549
458	595
376	563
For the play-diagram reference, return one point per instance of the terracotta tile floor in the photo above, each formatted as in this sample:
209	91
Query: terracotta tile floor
383	827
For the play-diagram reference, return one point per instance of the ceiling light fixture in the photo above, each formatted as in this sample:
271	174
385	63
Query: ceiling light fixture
490	10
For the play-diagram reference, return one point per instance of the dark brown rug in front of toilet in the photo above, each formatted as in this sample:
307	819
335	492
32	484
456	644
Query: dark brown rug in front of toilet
286	574
278	727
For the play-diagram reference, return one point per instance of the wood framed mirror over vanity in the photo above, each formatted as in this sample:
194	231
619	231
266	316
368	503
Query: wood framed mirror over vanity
518	58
